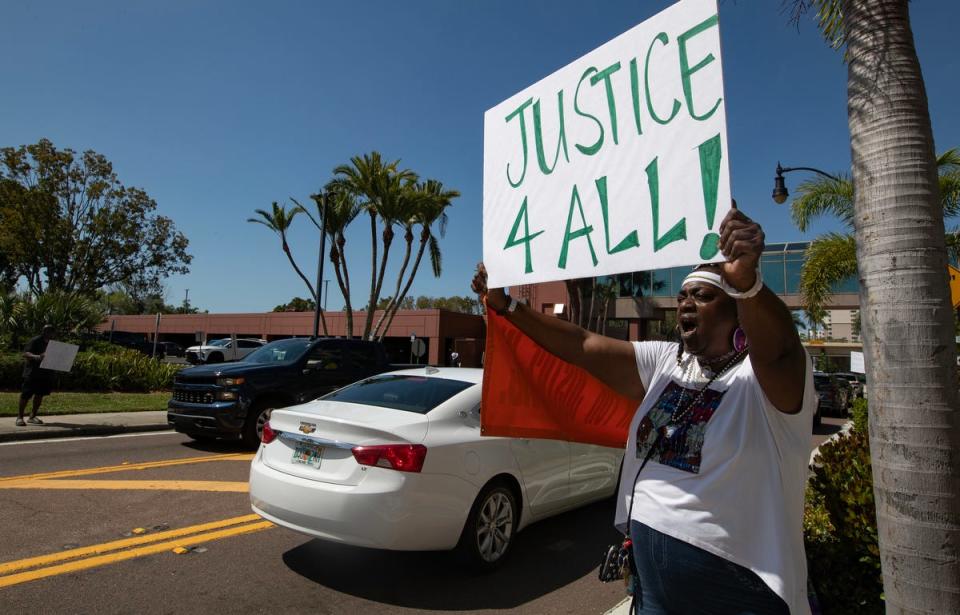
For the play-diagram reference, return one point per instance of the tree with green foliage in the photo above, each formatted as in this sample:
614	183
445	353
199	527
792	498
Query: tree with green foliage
68	224
383	190
907	315
278	220
428	207
832	258
297	304
341	209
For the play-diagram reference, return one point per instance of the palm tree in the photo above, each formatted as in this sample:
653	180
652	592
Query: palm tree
380	185
431	204
832	258
426	204
907	317
279	220
342	208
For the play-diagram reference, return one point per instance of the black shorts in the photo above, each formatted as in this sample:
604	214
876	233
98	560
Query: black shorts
36	384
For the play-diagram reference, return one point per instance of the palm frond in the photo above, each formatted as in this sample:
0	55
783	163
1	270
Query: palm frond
435	258
953	244
829	260
949	161
823	196
950	193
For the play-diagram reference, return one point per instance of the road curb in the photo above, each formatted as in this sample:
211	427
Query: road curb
33	433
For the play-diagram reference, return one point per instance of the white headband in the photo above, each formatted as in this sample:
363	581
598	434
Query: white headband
707	277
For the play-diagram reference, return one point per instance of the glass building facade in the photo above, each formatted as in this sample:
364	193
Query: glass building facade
780	266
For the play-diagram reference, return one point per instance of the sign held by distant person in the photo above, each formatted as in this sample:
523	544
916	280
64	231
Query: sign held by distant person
59	356
614	163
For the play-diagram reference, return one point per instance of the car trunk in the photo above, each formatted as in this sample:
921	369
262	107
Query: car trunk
315	439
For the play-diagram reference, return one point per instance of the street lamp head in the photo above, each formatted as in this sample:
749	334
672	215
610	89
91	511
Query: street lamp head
780	192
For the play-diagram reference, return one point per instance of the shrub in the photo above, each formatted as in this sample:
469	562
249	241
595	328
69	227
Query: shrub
120	370
840	526
23	316
859	415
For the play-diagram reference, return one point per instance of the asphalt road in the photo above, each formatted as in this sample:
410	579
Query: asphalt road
93	525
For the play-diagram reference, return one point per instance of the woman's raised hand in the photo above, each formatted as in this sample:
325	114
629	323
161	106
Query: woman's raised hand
741	242
495	298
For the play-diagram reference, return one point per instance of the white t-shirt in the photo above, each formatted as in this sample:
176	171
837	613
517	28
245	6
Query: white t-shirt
731	481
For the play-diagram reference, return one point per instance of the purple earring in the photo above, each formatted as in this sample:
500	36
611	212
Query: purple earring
739	340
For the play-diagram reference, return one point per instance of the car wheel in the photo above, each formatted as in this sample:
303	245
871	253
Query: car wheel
490	528
253	428
215	358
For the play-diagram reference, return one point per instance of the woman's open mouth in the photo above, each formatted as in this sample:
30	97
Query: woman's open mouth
688	325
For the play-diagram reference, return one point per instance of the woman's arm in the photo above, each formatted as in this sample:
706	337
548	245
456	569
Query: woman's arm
775	351
609	360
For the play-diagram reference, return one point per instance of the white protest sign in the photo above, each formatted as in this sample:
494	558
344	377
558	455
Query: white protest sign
856	362
616	162
59	356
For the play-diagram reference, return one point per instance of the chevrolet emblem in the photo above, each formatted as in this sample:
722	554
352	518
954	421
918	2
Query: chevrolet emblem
308	427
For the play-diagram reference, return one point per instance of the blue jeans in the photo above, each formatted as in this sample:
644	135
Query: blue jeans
677	578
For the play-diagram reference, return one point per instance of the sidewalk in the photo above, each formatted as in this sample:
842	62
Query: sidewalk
621	609
69	425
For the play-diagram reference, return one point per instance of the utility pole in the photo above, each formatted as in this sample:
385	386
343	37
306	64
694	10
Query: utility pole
186	301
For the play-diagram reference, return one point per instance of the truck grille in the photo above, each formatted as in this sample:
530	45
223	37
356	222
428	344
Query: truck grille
185	379
193	397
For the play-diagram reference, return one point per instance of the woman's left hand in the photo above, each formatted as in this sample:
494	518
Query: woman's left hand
741	242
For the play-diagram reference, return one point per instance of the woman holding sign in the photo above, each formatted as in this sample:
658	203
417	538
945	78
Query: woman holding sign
712	485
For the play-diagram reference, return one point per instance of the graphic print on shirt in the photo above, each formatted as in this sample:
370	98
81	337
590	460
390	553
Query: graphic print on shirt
683	449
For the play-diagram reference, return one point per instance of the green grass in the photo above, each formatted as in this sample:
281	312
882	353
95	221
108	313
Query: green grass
84	403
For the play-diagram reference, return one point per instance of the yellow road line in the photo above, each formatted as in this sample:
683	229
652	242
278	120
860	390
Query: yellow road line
106	547
141	485
131	466
100	560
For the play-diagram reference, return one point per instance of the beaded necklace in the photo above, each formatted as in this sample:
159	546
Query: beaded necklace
681	412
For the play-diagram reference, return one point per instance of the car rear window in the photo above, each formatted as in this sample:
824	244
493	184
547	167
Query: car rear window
401	392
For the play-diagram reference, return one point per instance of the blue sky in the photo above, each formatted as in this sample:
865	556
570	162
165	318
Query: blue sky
218	108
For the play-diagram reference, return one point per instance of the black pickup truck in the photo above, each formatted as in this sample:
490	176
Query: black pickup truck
234	400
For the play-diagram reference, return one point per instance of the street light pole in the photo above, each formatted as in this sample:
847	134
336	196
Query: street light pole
323	247
780	193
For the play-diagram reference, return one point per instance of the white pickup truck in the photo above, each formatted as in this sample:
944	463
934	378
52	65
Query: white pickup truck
218	351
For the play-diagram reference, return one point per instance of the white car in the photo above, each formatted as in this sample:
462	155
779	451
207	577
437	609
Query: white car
218	351
397	461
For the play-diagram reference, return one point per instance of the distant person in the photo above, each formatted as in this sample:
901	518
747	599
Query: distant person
455	359
37	382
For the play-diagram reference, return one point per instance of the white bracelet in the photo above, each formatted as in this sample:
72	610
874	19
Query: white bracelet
747	294
513	305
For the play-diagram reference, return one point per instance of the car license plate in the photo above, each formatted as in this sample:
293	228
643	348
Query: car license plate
308	454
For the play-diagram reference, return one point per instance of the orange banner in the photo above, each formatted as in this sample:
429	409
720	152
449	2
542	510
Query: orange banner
530	393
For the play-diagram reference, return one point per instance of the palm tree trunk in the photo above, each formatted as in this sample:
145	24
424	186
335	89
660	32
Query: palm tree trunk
387	241
406	287
394	300
286	250
372	303
336	257
345	287
593	301
907	316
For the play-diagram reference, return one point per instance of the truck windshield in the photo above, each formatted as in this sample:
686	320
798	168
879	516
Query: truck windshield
279	352
418	394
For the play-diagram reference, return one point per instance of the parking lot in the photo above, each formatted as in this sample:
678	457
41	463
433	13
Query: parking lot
159	524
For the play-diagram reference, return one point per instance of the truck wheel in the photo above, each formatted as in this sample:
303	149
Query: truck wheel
253	428
490	528
215	358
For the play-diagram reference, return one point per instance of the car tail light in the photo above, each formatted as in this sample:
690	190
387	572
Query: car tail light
268	435
402	457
